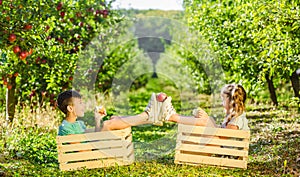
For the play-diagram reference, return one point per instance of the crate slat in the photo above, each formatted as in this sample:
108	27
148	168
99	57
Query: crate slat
94	145
116	134
196	160
215	141
95	164
212	150
97	154
189	129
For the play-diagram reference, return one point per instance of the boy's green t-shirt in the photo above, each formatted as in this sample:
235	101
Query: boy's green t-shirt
67	128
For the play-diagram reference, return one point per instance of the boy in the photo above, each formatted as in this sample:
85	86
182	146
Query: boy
70	103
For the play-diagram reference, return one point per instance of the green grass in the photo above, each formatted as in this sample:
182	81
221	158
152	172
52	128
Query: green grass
274	148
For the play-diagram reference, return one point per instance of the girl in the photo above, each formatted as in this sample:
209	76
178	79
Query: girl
233	97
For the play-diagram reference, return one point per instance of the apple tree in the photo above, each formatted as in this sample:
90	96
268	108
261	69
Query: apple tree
254	43
40	44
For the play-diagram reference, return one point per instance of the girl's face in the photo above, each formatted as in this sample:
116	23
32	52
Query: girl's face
226	102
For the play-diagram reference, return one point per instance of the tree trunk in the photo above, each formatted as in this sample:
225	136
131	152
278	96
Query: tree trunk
10	100
295	83
272	90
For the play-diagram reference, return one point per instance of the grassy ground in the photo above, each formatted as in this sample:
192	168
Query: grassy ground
274	149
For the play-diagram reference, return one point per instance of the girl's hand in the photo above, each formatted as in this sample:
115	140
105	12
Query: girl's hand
200	113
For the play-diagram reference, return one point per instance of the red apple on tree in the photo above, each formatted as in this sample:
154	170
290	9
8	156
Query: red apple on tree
59	6
23	55
80	24
161	97
16	49
12	37
62	14
37	61
9	87
28	27
47	28
78	14
30	51
105	13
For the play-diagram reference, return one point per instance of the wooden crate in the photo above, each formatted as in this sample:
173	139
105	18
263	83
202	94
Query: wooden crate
197	145
95	150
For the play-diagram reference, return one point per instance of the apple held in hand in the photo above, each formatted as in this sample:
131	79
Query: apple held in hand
161	97
101	110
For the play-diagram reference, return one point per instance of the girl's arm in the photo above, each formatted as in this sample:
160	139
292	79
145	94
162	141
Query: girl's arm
234	127
203	121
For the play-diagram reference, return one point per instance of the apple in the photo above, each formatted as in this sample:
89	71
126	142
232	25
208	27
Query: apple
47	28
23	55
59	6
44	61
161	97
80	24
76	48
78	14
105	12
70	78
16	49
12	37
0	2
9	87
100	109
62	14
28	27
16	74
37	60
5	82
30	51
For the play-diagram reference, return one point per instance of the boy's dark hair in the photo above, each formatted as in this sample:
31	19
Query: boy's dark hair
65	98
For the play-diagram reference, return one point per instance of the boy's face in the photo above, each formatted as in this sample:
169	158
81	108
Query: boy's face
78	107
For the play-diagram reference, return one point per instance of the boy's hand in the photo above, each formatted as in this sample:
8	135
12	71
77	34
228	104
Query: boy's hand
100	112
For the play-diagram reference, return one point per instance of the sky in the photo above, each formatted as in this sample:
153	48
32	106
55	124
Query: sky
149	4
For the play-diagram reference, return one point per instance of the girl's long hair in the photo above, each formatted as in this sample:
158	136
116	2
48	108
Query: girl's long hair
237	98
